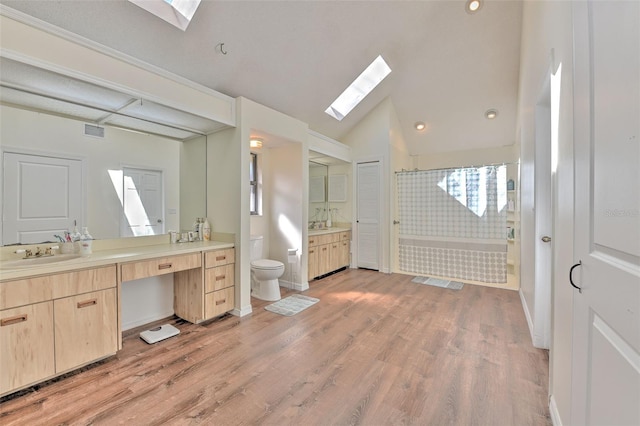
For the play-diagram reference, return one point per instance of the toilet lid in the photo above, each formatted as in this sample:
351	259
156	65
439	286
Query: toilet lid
266	264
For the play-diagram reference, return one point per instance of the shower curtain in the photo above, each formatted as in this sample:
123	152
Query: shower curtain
453	223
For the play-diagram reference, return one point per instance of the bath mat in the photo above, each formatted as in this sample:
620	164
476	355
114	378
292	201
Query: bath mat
292	305
452	285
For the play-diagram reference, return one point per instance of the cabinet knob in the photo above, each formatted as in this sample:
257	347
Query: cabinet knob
13	320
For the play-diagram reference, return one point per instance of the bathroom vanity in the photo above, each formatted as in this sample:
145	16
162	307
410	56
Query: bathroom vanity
329	250
59	316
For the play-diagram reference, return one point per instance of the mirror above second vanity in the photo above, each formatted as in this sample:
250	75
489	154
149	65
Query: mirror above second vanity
330	203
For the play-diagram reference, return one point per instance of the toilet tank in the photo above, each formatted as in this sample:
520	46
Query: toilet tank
255	249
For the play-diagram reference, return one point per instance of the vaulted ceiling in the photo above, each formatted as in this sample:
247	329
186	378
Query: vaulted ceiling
448	66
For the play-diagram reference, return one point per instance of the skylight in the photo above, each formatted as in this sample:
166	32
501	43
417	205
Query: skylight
359	89
176	12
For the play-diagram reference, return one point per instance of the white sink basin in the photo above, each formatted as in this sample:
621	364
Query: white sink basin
35	261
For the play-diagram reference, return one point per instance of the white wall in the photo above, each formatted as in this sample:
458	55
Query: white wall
49	134
547	26
193	181
287	201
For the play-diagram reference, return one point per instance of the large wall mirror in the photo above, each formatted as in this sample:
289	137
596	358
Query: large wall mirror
318	175
73	151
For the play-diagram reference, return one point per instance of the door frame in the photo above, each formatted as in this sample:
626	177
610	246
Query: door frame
382	218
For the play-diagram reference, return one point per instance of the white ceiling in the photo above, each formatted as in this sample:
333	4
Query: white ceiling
448	66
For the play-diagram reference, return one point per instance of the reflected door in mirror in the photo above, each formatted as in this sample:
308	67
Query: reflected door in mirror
42	197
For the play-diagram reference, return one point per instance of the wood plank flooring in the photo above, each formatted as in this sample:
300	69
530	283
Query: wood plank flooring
376	350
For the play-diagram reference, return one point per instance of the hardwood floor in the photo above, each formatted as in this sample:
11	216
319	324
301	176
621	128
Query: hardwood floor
376	350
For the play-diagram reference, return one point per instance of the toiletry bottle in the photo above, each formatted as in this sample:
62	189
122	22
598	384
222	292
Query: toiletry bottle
329	218
86	240
206	229
75	238
196	228
201	229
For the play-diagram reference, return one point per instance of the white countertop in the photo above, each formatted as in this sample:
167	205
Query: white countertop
110	257
313	232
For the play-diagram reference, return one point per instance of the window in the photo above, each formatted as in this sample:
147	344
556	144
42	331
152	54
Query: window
253	182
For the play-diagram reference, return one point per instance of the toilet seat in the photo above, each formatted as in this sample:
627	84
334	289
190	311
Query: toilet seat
266	264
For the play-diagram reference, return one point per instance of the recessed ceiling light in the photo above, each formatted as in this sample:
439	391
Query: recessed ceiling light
255	143
491	114
473	6
420	126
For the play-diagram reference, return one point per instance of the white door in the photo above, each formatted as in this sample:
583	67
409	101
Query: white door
606	319
142	202
42	197
368	215
543	218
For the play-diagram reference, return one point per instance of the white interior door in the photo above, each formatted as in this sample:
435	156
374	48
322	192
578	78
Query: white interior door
606	320
142	202
543	194
42	197
368	215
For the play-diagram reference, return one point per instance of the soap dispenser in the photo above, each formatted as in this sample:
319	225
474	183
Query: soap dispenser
206	228
86	241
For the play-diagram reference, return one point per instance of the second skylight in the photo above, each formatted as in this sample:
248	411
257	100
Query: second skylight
359	89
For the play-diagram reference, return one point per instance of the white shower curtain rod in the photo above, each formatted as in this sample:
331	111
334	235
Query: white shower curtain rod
450	168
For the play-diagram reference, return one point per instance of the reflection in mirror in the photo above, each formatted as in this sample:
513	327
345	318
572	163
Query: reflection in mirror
55	139
317	193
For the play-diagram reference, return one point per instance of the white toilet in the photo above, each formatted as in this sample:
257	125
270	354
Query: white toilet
264	273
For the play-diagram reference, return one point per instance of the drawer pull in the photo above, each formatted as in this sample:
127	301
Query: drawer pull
220	302
311	251
13	320
165	266
312	241
220	277
219	258
87	303
324	249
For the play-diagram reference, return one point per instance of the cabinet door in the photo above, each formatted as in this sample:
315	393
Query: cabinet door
345	254
312	263
324	259
86	328
26	345
335	255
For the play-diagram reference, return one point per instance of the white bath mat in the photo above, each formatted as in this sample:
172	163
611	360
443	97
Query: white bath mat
292	305
453	285
157	334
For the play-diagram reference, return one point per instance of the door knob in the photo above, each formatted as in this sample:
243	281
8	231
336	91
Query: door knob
546	239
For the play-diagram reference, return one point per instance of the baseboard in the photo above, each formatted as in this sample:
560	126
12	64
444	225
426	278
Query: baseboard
553	411
244	311
146	320
527	314
294	286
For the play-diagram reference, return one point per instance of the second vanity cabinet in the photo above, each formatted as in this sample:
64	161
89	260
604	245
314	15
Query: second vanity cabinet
328	252
52	324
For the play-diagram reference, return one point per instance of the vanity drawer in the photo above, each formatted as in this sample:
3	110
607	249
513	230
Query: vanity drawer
345	236
220	277
40	289
219	257
218	302
165	265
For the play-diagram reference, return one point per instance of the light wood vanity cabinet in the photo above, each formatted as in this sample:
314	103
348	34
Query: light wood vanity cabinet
52	324
328	252
26	345
219	282
204	293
